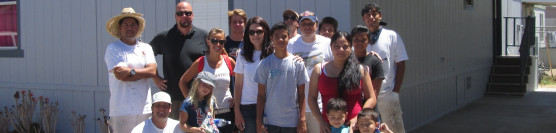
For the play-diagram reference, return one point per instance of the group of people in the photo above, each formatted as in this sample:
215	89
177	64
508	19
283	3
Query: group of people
299	75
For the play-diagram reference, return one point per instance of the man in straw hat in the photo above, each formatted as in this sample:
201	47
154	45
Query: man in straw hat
159	123
180	46
130	64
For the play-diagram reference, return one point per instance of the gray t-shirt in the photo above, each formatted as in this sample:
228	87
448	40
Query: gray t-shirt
281	78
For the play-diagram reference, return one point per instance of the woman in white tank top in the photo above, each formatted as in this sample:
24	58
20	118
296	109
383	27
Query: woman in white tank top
218	63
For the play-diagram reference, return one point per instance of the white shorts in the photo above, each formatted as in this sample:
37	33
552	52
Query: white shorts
388	106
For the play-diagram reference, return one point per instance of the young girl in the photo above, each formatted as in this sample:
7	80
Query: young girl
196	110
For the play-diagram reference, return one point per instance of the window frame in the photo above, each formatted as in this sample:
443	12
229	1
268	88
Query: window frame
10	51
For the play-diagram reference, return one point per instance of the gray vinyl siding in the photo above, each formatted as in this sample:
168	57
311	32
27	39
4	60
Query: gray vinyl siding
64	44
449	49
449	46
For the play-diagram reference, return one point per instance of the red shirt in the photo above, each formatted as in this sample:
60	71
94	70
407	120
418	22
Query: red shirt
328	88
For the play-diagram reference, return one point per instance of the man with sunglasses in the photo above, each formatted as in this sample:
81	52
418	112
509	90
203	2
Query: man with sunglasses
390	47
313	49
290	18
180	46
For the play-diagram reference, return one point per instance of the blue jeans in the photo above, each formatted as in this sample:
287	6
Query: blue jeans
249	112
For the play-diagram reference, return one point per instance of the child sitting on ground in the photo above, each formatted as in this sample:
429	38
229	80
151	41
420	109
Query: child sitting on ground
336	112
367	122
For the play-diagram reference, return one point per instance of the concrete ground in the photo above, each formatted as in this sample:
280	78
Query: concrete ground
532	113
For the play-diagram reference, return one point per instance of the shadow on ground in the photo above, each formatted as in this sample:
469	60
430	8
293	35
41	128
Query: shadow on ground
532	113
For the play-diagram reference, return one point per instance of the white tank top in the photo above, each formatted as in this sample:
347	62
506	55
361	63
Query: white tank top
221	91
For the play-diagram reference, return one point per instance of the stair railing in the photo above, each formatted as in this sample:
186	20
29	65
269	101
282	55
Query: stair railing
527	41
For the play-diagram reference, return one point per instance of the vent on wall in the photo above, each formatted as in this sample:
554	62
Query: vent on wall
468	4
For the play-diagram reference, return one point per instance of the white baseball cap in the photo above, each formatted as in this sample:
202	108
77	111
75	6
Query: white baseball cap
162	97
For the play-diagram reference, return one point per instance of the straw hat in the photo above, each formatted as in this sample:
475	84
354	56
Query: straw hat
113	27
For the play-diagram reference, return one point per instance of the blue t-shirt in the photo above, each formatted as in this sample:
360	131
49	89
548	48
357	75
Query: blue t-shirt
342	129
281	78
198	116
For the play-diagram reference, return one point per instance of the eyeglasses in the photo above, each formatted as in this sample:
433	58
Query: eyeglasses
188	13
252	32
215	41
290	18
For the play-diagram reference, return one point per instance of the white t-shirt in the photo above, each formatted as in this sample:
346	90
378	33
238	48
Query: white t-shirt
391	49
221	91
128	97
250	87
312	53
148	126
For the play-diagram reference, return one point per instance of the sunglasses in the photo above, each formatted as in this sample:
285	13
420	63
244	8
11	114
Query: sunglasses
182	13
215	41
258	32
290	18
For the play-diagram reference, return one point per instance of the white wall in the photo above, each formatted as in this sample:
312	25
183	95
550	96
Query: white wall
64	44
449	49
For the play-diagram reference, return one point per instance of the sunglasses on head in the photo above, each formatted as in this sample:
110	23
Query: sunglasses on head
252	32
290	18
187	13
216	41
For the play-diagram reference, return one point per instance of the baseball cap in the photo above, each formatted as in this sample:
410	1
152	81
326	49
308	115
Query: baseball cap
162	97
308	15
207	77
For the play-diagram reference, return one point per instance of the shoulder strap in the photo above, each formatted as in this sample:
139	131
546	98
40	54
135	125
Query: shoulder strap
226	59
228	63
201	64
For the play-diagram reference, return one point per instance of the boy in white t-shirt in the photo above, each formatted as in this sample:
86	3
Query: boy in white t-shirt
389	45
313	49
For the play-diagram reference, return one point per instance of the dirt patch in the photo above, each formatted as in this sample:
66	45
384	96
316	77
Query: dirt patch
547	86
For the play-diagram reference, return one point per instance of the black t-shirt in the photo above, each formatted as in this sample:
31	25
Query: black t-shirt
179	52
375	65
232	47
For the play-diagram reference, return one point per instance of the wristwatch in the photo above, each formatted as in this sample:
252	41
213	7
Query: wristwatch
132	73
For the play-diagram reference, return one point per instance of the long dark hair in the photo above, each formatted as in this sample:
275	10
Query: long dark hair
350	76
248	47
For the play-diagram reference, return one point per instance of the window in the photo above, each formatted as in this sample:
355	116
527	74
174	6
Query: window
9	39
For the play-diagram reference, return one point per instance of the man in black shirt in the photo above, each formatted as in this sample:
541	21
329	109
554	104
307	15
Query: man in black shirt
360	38
180	46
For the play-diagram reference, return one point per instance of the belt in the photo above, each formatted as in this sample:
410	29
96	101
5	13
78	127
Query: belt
221	111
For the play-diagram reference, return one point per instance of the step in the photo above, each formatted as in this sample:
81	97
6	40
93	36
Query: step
506	88
501	69
507	78
509	60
